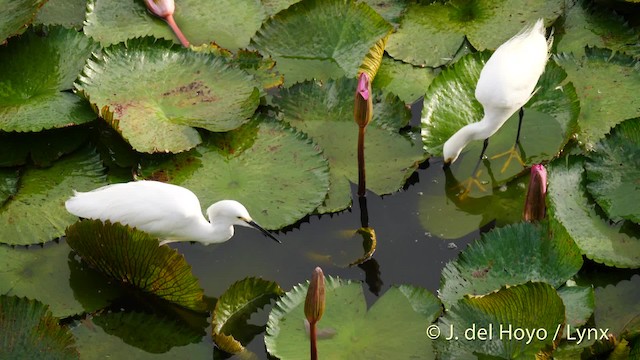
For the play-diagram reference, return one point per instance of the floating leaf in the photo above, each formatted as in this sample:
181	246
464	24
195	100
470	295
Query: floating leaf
41	195
613	170
390	10
39	69
325	113
8	184
392	328
511	255
408	82
276	172
549	119
228	23
134	258
16	15
579	302
534	307
321	38
235	307
154	93
618	307
606	83
369	244
373	59
29	331
587	24
68	13
571	210
486	23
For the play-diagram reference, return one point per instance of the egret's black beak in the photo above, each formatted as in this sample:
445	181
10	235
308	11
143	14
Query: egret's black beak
446	164
262	230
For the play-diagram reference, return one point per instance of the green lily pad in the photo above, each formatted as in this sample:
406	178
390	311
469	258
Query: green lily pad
613	170
320	38
134	259
8	184
570	209
148	332
618	307
598	73
235	307
579	302
154	93
444	214
392	328
16	15
46	275
39	70
492	324
588	24
407	81
29	331
487	24
549	119
325	113
228	23
390	10
508	256
276	172
68	13
41	195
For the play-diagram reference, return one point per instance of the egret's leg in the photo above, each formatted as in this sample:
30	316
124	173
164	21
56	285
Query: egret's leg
520	117
513	153
468	184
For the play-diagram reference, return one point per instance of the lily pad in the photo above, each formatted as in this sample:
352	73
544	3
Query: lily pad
392	328
570	209
276	172
29	331
321	39
68	13
325	113
228	23
39	71
16	15
589	24
606	83
496	324
507	256
613	170
407	81
8	184
487	24
618	307
41	194
549	119
134	259
579	302
235	307
154	93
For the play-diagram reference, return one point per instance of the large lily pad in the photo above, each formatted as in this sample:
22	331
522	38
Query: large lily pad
154	93
486	23
579	302
228	23
276	172
134	259
600	72
571	210
29	331
68	13
16	15
481	325
39	69
41	195
511	255
613	170
407	81
235	307
549	119
325	113
321	38
392	328
618	307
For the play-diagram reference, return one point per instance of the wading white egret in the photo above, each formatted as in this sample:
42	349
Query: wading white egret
507	82
169	212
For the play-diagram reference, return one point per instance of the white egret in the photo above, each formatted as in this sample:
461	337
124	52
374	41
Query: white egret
507	82
169	212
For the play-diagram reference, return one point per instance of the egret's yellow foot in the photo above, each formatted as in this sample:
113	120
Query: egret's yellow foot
468	184
513	154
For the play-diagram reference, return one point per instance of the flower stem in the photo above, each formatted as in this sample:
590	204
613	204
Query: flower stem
362	177
313	340
176	30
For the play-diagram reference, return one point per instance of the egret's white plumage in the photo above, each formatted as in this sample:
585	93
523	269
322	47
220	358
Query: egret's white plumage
169	212
507	82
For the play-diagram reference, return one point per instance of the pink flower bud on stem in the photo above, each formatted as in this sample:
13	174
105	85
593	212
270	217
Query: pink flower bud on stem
314	307
362	113
165	9
534	205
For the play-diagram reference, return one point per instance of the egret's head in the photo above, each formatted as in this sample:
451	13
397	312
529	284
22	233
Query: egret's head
232	212
450	151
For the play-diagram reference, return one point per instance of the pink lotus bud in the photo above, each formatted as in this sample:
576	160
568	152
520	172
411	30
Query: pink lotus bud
161	8
534	204
363	104
314	303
